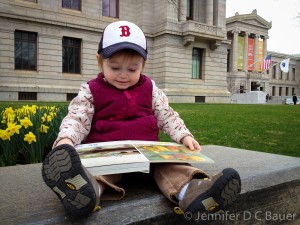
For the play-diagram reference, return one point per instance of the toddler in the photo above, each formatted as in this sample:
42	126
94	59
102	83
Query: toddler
121	103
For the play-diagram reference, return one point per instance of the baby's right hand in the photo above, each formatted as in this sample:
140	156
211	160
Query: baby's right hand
65	141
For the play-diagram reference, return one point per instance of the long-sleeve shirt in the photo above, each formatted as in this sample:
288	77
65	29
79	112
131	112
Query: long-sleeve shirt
77	124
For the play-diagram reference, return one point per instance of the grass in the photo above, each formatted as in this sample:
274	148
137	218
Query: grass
266	128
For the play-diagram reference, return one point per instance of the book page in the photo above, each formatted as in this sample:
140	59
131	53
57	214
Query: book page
166	152
108	153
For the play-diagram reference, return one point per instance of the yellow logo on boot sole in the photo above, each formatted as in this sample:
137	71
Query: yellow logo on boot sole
75	183
71	186
210	204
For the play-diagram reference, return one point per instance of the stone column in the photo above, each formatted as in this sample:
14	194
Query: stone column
235	50
265	45
255	66
182	10
246	51
209	12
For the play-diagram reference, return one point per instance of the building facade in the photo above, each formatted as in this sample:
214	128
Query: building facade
179	34
48	48
248	37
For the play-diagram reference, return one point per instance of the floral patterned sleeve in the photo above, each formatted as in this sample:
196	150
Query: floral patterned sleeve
168	120
77	124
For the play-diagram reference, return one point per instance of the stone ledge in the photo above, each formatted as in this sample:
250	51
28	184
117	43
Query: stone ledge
270	191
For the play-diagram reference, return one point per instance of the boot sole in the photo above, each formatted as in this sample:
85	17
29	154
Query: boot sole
63	173
222	194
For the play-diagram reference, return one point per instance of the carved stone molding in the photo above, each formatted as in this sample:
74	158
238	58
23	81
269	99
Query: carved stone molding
215	44
188	39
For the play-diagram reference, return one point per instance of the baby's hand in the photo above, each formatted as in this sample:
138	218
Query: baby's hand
191	143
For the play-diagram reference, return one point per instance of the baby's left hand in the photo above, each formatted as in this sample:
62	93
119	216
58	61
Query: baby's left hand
191	143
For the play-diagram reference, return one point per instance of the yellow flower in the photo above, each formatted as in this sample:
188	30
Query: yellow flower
49	118
8	115
11	118
30	137
8	111
4	135
44	117
44	128
26	122
12	128
33	109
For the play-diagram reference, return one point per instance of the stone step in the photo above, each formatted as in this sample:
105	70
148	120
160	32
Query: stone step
270	194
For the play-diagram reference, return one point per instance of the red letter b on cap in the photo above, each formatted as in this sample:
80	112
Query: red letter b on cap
125	31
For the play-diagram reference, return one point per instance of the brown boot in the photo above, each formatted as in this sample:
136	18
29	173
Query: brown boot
77	189
212	195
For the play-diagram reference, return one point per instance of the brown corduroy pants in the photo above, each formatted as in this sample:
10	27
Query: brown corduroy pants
169	177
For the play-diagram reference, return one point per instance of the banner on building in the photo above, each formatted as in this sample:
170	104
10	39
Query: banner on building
250	53
260	53
241	44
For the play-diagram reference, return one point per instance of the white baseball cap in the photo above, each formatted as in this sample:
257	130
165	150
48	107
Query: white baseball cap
122	35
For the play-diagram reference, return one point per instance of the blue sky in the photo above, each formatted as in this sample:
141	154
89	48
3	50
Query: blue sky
285	16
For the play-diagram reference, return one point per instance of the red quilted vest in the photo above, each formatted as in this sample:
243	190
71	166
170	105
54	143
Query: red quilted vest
122	114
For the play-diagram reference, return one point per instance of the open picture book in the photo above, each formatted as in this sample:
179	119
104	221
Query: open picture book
134	156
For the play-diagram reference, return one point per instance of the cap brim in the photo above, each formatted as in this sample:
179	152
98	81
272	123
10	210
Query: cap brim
109	51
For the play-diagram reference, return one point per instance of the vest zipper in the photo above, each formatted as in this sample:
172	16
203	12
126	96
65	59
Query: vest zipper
128	96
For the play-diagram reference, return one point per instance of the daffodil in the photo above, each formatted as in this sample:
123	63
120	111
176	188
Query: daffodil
4	135
26	122
12	128
30	137
49	118
33	109
11	118
8	111
44	128
44	117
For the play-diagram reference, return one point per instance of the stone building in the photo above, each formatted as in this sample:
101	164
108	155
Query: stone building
187	57
47	48
248	36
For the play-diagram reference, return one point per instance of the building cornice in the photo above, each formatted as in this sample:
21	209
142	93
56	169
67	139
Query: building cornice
253	16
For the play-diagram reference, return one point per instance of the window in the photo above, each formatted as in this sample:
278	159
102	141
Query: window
294	73
274	72
273	90
27	96
228	59
70	96
293	91
71	55
199	99
72	4
197	63
242	89
35	1
280	91
286	91
189	9
281	75
110	8
25	50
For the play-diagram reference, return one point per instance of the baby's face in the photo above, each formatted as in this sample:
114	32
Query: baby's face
122	72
